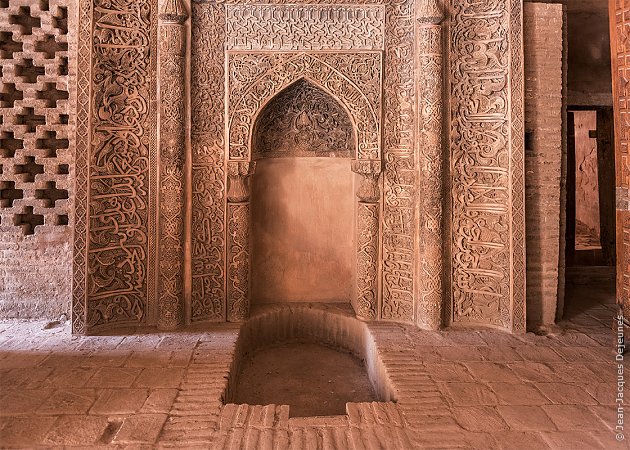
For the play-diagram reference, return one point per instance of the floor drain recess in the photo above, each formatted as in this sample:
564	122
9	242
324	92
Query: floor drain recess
316	359
313	379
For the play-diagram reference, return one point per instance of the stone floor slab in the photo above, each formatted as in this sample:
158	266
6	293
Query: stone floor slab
572	441
574	418
115	377
484	419
565	394
160	377
77	430
27	401
24	431
68	401
455	389
119	401
140	429
518	394
159	401
526	418
469	394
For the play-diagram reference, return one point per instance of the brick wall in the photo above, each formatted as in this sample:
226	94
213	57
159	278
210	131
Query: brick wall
36	155
543	30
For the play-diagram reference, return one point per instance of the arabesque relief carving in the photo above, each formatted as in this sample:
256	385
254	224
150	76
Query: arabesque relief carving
238	239
368	231
208	163
430	185
84	76
303	120
122	163
361	81
238	181
255	78
172	34
305	27
487	163
399	173
369	189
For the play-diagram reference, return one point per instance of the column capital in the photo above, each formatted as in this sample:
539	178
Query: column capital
238	185
430	12
173	11
369	190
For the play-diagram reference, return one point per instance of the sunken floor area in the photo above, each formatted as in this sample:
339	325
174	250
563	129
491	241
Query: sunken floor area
312	379
453	389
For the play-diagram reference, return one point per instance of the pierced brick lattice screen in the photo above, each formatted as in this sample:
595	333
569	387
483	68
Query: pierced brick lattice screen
35	104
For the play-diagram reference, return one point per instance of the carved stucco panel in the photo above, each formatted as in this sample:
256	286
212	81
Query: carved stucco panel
84	70
430	136
399	174
487	163
367	260
172	45
303	120
122	163
208	162
352	78
305	27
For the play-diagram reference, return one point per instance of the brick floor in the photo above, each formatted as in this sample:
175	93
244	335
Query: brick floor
454	389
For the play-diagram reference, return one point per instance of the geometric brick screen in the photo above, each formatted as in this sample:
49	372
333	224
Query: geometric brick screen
35	138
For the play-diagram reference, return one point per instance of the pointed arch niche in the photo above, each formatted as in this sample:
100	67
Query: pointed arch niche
302	199
303	176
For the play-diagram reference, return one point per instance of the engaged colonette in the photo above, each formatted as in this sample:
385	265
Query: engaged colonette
170	95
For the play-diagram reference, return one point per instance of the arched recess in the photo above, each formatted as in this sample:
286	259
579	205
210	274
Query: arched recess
302	199
264	88
358	93
303	119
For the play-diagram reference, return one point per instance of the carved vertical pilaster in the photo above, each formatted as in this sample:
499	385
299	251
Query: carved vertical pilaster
172	51
208	184
430	94
399	158
486	87
238	239
369	195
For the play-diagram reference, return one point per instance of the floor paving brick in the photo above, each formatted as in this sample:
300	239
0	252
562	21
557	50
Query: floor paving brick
518	394
604	393
24	431
492	372
516	440
479	418
68	401
532	371
565	394
160	377
140	429
572	441
526	418
27	401
469	394
115	377
77	430
573	418
120	401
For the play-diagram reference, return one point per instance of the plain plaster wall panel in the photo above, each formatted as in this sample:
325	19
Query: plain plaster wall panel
302	230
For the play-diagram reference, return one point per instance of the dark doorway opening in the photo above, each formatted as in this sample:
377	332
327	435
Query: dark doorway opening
590	219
